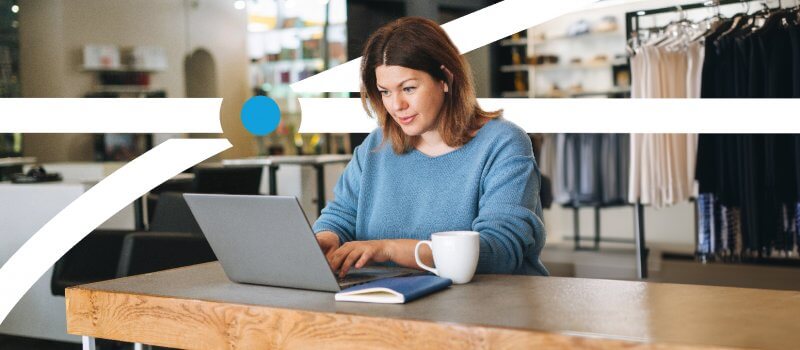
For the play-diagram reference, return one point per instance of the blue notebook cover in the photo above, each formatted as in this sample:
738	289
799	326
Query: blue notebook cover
395	290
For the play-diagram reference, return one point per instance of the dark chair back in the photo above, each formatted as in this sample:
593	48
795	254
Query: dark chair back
172	214
93	259
145	252
227	180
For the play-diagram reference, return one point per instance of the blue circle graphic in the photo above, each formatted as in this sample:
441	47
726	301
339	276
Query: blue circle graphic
260	115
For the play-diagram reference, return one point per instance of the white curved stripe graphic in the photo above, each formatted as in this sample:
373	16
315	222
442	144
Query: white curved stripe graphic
344	115
110	115
468	33
93	208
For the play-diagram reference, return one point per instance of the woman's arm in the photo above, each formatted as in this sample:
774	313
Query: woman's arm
509	209
339	215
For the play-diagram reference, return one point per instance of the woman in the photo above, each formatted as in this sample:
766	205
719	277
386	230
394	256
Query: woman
438	162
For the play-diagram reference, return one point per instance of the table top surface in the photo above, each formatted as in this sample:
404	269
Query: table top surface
290	160
608	309
13	161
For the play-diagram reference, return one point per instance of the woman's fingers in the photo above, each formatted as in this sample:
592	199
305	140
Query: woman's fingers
339	255
354	256
365	258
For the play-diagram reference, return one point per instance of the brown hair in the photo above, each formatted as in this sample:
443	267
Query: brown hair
421	44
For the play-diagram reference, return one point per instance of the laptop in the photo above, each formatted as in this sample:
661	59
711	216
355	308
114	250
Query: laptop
267	240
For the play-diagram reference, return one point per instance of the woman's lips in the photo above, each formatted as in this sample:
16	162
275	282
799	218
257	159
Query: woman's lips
406	120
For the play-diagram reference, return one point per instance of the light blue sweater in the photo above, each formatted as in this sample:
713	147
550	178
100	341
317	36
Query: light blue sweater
489	185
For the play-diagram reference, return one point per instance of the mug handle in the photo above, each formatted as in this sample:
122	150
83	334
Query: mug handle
419	262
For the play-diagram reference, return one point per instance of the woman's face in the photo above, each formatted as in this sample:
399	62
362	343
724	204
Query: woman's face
412	97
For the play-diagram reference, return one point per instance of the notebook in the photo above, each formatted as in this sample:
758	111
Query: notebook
394	290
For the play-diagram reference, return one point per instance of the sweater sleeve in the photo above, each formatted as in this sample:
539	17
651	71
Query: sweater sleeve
339	215
509	211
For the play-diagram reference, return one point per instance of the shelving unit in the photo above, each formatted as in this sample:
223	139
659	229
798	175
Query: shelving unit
553	67
590	35
610	92
514	42
592	77
287	42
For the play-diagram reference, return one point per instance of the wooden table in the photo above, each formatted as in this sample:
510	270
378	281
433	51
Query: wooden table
198	307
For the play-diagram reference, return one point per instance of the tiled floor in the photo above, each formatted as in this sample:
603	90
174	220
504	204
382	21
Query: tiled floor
619	262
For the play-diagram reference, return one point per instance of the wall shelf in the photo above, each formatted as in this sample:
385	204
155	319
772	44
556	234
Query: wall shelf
517	42
611	34
613	91
553	67
515	94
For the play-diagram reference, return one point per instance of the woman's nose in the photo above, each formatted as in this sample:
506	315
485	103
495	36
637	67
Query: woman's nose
398	102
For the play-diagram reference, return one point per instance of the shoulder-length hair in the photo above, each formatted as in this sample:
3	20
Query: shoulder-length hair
421	44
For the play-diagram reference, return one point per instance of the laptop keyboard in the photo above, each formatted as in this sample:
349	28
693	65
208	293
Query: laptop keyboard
354	278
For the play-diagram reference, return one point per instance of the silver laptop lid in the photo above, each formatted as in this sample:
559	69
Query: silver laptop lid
263	240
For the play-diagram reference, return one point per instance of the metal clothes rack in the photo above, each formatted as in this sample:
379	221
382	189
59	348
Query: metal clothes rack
632	18
596	238
632	25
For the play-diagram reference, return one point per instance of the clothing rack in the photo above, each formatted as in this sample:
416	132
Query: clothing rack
632	22
632	25
596	238
632	18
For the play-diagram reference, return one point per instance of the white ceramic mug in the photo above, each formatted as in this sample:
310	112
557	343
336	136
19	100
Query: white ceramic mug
455	254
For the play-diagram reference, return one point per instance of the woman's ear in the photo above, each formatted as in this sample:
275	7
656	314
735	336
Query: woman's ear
449	76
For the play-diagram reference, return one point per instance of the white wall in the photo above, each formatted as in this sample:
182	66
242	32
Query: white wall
53	33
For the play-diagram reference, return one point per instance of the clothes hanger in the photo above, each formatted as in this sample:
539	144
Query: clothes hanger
673	29
774	17
739	18
712	23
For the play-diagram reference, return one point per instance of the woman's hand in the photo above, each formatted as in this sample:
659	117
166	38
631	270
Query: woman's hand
329	242
359	254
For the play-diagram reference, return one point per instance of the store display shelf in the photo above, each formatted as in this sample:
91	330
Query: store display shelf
552	67
317	28
576	66
609	34
612	91
299	61
515	94
514	42
125	89
515	68
119	70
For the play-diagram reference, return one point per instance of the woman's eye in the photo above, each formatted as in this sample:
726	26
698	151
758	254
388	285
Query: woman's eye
384	92
409	89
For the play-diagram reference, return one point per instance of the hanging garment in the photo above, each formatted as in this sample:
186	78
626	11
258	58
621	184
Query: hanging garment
547	158
564	169
614	168
695	57
778	53
794	38
706	224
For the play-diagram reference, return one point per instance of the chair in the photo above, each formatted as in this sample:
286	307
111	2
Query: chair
97	257
93	259
227	180
172	214
145	252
